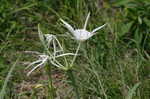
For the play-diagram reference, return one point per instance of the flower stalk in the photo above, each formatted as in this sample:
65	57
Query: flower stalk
79	35
50	81
50	57
73	82
71	75
75	56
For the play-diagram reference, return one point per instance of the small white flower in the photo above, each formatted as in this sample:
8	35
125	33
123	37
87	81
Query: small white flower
47	40
81	34
40	63
50	38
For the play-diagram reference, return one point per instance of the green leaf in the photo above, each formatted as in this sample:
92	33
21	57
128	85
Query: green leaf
147	22
125	29
138	36
121	2
139	20
3	90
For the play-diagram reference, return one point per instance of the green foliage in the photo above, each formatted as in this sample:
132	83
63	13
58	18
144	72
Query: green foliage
3	90
132	91
138	13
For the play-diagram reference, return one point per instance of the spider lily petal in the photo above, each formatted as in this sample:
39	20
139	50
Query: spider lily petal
61	48
32	52
52	62
87	18
98	28
42	60
57	64
54	45
68	26
52	38
65	54
41	64
49	38
35	62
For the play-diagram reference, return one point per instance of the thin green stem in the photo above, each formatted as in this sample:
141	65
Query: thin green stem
73	83
50	82
48	68
70	73
74	58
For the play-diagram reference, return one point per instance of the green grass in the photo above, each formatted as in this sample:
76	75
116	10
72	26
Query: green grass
114	64
3	91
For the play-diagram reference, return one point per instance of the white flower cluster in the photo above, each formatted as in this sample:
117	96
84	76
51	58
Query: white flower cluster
51	41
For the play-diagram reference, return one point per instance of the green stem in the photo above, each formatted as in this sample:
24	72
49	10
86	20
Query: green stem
50	82
74	58
73	83
70	73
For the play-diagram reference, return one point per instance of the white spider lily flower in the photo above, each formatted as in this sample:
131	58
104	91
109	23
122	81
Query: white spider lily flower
43	60
81	34
40	63
50	38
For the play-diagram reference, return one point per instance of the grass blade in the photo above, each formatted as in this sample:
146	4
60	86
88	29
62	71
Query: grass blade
2	92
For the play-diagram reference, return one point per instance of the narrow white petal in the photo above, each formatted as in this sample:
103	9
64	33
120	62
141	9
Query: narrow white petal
54	45
65	54
54	64
57	64
33	52
33	63
44	60
59	51
34	68
98	28
86	21
49	38
61	48
68	35
68	26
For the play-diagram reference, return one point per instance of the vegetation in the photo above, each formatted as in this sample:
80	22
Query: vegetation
113	64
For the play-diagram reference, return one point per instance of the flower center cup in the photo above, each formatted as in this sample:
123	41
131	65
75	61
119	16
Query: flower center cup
82	35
